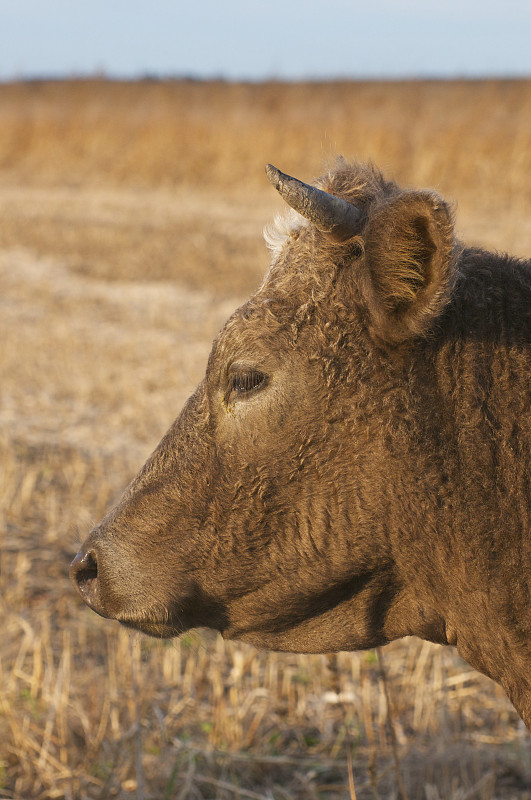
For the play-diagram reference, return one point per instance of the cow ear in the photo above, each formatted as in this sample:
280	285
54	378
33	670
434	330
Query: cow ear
408	265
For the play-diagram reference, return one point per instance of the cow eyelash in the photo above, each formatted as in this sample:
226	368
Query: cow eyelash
244	381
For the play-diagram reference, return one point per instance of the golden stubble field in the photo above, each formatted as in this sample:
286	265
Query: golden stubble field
130	227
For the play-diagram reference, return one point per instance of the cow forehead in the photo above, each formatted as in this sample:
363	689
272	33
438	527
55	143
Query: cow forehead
252	332
301	275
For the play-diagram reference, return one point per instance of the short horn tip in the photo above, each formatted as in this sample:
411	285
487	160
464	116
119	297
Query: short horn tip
273	174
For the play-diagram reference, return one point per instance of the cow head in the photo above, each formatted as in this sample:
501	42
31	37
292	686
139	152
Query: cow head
272	509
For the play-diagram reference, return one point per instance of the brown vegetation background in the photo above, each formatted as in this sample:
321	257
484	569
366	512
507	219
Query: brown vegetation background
130	227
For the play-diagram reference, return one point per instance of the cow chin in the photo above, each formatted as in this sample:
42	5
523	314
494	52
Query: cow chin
157	630
165	621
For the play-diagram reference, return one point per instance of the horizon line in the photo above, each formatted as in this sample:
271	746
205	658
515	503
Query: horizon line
152	76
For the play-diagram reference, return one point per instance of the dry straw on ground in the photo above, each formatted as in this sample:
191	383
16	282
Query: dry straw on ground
130	219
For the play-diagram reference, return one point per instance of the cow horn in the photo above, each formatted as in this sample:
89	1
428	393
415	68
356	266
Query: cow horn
333	216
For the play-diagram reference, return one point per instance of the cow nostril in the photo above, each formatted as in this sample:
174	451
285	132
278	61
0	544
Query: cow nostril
84	576
88	569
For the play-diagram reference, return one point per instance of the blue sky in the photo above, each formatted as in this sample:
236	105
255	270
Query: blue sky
270	39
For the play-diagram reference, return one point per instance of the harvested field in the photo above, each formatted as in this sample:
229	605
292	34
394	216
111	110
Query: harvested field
130	227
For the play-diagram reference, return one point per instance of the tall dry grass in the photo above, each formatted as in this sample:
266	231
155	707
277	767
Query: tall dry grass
126	237
465	137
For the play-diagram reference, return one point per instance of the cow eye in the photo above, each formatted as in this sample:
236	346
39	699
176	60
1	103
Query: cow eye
244	381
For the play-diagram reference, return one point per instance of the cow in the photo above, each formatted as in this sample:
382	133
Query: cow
355	466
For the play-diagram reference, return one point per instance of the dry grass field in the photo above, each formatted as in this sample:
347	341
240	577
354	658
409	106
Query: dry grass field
130	227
